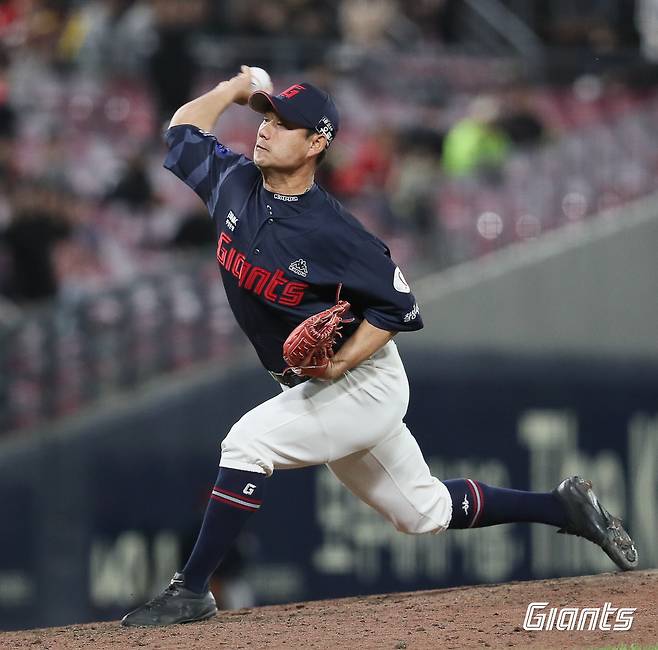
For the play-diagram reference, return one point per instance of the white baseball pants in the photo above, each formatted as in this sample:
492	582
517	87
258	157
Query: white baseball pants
354	426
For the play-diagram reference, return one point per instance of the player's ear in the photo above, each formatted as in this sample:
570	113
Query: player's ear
317	146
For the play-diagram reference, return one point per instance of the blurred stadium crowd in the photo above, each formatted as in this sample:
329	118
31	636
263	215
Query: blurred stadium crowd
445	154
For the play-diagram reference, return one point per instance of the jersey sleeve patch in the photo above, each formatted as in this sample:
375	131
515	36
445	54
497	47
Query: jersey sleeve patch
379	290
399	283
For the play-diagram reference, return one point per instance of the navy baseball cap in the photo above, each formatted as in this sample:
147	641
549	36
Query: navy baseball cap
303	105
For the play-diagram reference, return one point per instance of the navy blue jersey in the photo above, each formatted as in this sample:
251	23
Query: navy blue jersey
282	257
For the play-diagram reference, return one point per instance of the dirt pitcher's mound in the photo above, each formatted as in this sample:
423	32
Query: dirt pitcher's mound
464	617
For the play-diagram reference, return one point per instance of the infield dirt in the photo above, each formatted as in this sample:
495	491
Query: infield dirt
465	617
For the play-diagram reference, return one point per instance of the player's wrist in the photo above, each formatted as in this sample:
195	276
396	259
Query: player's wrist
336	368
226	90
237	88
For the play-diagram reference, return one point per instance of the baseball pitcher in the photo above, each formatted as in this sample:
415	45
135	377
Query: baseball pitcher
321	300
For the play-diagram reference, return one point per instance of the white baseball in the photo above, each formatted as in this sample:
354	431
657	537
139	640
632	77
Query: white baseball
260	80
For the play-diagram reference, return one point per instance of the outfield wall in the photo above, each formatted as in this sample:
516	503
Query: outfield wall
588	288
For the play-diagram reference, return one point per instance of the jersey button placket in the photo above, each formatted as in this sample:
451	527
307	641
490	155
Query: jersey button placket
255	238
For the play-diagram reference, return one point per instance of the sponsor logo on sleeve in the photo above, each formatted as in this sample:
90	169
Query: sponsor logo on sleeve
399	283
413	314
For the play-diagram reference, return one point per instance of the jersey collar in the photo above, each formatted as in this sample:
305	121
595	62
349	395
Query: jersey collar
290	204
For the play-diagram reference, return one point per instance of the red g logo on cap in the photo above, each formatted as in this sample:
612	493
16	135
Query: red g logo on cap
288	93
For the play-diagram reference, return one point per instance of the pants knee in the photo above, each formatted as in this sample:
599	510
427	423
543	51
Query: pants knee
418	525
431	517
243	450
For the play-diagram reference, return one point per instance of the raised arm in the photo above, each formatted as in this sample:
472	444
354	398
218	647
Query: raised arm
203	112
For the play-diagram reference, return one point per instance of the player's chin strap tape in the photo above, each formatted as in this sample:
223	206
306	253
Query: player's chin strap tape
289	379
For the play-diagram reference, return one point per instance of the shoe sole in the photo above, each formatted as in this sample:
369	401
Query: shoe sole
583	506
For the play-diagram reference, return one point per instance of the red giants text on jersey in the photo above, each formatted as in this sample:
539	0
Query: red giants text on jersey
273	286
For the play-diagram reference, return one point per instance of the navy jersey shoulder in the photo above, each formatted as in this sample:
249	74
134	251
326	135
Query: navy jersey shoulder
204	164
372	281
352	230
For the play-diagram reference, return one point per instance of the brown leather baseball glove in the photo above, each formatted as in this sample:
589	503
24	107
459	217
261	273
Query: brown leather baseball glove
309	346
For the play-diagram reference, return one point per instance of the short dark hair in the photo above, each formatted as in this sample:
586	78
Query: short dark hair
323	154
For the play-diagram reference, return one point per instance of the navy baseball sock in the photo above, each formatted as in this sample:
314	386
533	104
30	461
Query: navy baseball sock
476	504
234	498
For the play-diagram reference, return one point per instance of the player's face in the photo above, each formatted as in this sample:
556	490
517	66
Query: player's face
280	146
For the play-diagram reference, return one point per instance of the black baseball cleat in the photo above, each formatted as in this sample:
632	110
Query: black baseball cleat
175	604
589	519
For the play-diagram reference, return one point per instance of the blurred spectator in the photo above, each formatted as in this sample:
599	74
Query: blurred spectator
425	15
7	123
475	142
367	23
52	165
602	25
436	19
110	37
33	23
366	168
289	18
35	229
646	19
134	187
172	66
414	189
195	230
8	15
519	120
522	128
